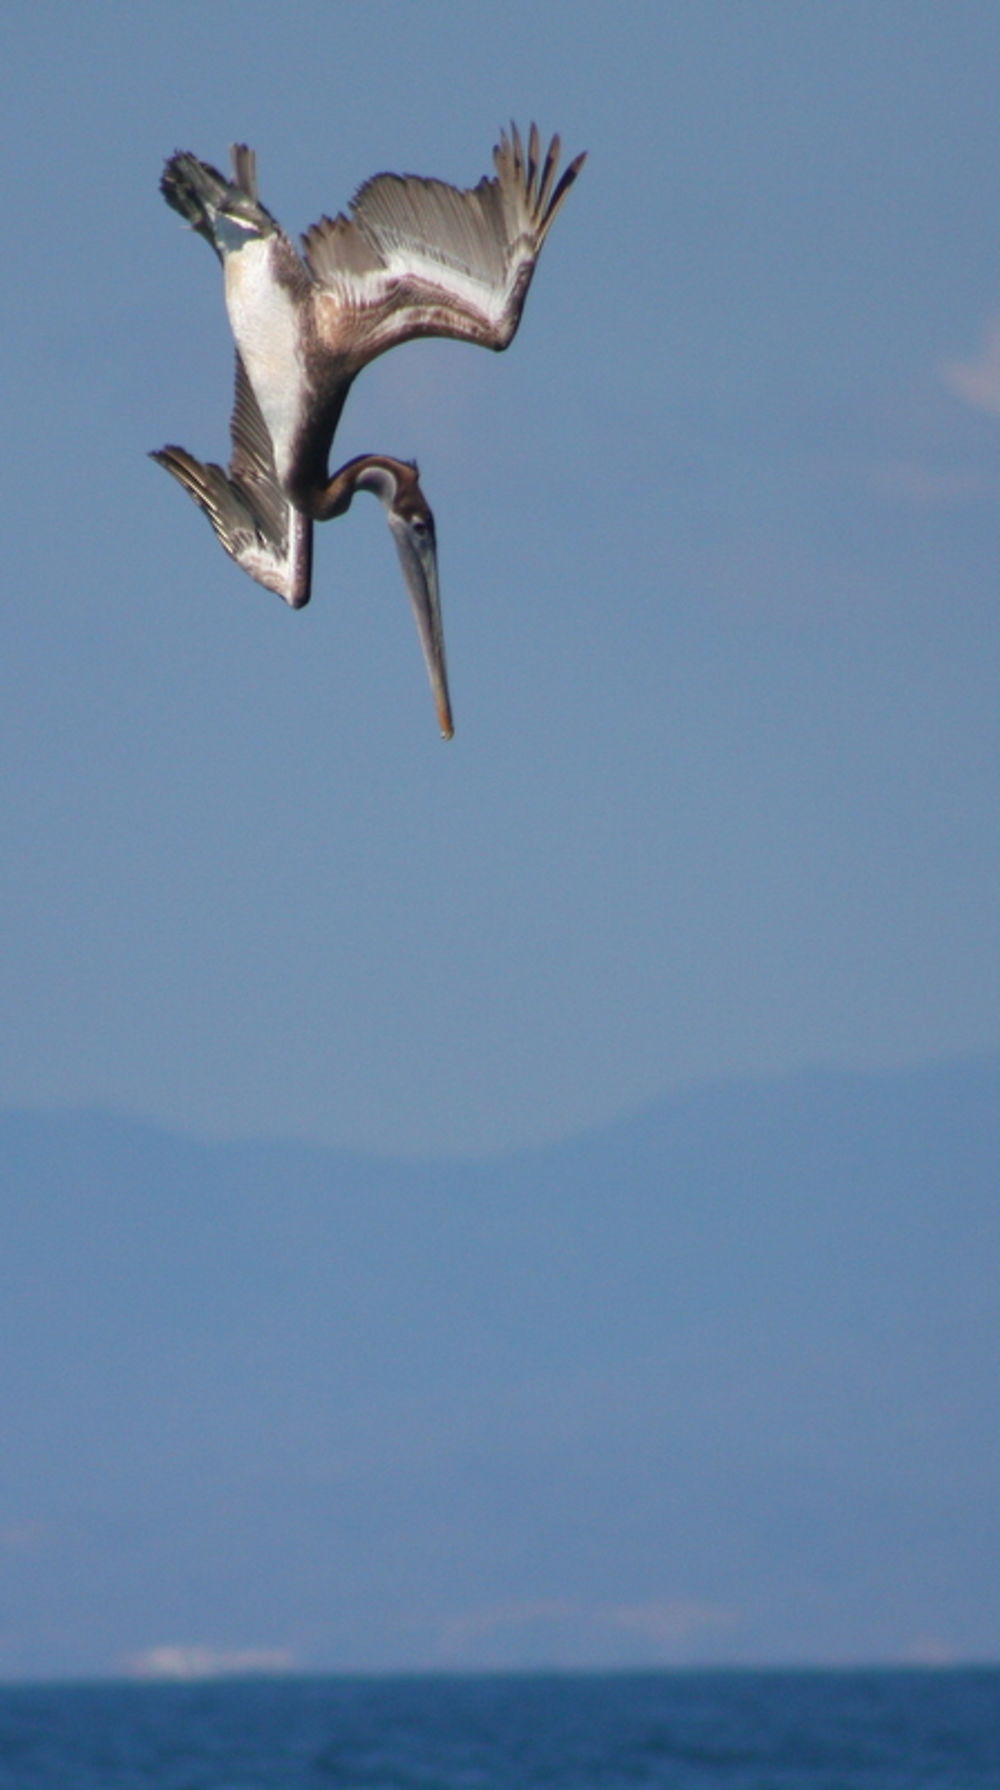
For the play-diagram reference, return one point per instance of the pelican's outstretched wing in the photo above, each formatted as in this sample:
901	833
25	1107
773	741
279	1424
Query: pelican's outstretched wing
253	519
419	258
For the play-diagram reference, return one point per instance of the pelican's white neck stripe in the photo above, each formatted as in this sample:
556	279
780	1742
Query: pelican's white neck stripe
380	481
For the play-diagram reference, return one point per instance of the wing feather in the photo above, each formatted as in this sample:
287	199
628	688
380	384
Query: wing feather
252	518
420	257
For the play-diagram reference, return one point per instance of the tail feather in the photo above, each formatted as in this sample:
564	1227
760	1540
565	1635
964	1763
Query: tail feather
206	199
244	162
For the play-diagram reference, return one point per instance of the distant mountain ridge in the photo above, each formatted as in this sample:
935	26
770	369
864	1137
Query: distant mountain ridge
714	1382
854	1095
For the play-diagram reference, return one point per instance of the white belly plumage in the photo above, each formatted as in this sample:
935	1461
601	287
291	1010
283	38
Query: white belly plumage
264	322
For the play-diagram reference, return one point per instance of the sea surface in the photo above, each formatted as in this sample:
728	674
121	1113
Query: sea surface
851	1730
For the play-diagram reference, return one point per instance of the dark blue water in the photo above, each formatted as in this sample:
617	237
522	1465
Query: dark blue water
735	1730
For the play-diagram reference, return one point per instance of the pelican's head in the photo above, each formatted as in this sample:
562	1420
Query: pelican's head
396	484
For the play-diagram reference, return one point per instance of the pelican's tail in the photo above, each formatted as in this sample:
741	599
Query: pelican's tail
224	212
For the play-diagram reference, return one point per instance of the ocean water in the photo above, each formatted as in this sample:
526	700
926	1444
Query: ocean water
863	1730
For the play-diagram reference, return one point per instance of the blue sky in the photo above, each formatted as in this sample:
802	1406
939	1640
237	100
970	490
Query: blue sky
719	550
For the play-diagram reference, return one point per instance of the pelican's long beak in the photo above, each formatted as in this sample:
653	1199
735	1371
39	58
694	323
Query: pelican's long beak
418	557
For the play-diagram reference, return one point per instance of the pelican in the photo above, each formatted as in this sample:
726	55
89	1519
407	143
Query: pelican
412	257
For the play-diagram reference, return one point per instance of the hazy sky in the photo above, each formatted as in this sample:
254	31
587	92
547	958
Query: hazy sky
720	545
714	1384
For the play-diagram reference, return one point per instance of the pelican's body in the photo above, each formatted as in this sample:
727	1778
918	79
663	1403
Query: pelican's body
414	258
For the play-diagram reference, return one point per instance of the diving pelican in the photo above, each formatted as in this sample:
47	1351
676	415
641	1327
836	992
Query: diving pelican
412	257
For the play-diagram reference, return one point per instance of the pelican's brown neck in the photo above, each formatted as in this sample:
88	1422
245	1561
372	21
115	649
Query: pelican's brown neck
391	481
